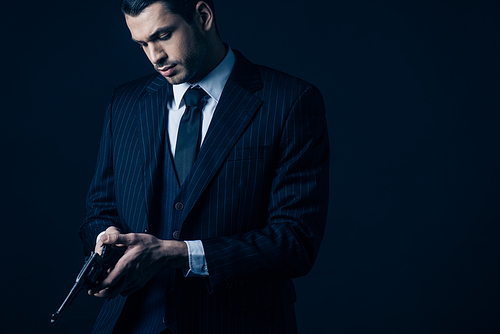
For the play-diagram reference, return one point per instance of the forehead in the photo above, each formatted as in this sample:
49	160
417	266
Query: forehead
151	19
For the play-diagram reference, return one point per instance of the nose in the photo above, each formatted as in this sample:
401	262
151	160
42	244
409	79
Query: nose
156	53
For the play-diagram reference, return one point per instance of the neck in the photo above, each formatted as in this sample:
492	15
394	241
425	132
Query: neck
217	52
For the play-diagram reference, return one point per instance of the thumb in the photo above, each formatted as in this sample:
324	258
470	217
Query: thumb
112	239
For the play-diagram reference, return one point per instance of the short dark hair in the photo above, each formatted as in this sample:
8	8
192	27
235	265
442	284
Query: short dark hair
183	8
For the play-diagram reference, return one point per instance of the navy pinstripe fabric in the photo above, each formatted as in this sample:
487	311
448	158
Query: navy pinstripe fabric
256	196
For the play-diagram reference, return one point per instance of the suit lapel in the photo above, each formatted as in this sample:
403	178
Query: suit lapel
151	108
235	110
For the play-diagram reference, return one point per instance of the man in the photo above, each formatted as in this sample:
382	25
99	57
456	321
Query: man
214	175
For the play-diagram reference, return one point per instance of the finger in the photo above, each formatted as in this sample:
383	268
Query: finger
113	277
104	293
117	239
112	229
109	291
115	290
98	248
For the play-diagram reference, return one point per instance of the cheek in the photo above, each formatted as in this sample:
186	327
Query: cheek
184	46
179	50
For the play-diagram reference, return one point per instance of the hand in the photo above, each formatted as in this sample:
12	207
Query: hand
110	230
145	256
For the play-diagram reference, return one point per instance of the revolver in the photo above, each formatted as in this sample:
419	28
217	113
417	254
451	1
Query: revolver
93	271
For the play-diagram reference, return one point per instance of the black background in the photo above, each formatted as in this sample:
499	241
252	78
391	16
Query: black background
412	96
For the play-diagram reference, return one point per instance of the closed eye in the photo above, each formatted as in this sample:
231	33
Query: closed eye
161	34
165	36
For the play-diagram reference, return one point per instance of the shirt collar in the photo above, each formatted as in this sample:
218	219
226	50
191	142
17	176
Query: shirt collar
213	83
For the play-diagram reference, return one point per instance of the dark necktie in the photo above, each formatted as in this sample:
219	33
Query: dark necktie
189	135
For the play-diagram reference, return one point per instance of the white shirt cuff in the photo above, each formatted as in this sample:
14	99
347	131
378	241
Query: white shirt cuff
197	261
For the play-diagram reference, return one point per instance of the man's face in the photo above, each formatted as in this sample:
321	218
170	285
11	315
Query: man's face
176	49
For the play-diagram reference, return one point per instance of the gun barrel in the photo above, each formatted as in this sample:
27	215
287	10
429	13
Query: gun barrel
54	318
69	298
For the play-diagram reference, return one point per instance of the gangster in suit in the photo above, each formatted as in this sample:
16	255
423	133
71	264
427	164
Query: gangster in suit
213	240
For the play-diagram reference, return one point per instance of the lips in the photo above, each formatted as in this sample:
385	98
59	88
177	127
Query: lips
166	71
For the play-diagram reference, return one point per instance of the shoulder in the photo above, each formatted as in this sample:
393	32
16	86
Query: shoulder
281	81
283	90
272	83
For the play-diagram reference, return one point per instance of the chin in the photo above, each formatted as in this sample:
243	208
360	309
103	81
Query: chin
177	79
173	81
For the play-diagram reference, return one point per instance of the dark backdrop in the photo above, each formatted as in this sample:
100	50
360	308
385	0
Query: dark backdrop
412	95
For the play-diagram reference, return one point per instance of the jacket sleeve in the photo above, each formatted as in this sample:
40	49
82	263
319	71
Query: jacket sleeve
297	210
101	211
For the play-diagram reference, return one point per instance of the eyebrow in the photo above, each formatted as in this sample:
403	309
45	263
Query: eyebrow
155	35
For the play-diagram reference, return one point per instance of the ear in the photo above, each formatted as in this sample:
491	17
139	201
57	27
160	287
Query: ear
204	16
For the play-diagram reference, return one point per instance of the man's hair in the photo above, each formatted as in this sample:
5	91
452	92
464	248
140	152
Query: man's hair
183	8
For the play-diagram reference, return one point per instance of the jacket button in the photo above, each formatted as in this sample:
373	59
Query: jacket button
171	291
179	206
146	230
176	235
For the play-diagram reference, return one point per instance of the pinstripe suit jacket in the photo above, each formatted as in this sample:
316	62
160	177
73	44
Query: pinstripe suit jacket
257	195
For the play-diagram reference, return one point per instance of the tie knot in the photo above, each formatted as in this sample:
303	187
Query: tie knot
193	96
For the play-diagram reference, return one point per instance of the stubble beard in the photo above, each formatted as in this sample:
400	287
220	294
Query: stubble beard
192	65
